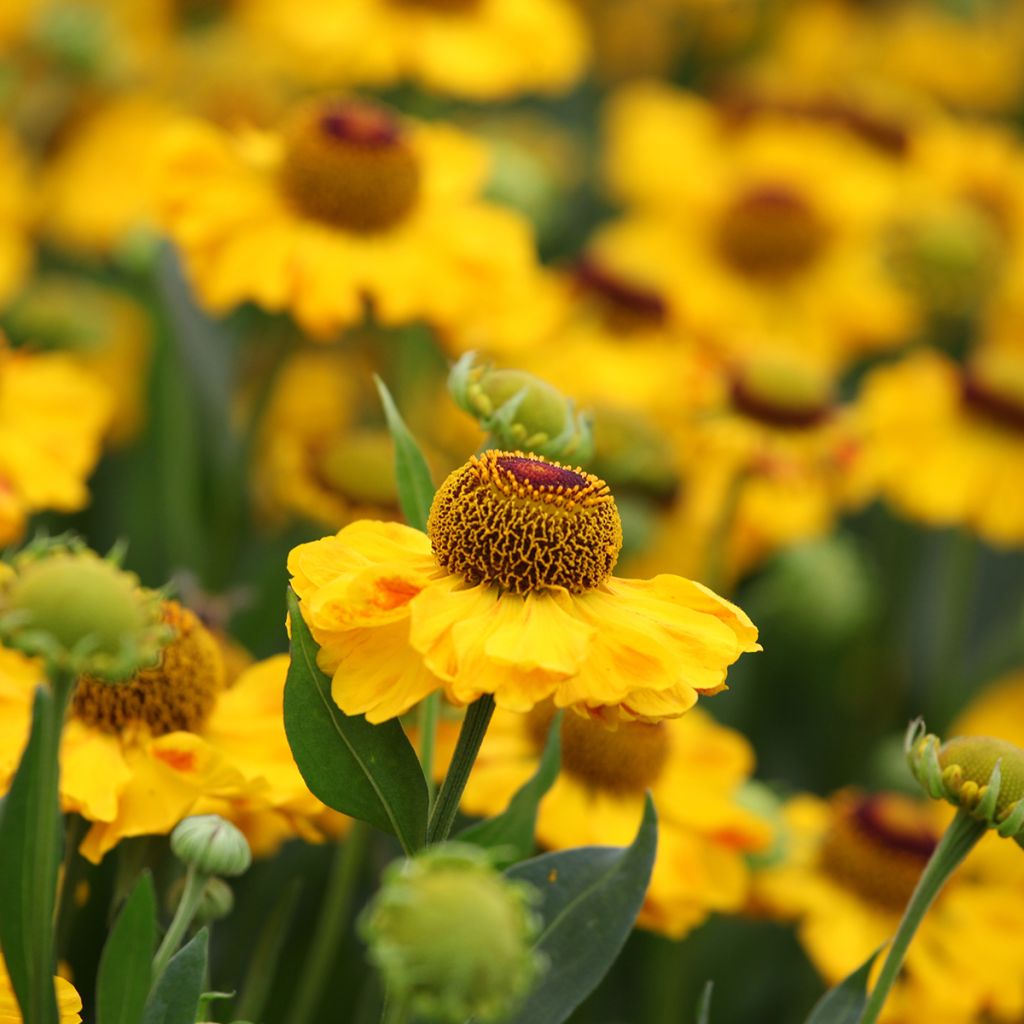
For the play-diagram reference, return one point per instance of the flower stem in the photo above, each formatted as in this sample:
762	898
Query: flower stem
322	958
428	712
195	883
956	843
474	726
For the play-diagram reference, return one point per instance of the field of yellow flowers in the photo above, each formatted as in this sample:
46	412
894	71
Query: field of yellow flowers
512	511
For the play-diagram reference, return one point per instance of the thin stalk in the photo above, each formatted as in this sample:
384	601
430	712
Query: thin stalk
956	843
395	1011
474	726
427	726
322	958
192	894
74	831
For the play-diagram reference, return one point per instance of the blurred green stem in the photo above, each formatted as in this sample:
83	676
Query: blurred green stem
427	724
322	958
956	843
474	726
192	894
74	831
960	564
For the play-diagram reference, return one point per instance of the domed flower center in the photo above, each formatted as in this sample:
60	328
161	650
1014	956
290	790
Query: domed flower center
627	759
993	388
444	6
781	394
176	695
348	164
625	303
877	847
770	232
522	523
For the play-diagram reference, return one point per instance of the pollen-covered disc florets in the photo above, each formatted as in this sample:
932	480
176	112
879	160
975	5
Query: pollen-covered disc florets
522	523
348	163
177	694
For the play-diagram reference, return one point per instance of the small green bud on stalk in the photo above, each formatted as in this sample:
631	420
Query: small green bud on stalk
211	845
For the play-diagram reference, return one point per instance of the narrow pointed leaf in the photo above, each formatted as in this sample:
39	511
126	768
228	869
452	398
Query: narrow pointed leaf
369	772
510	834
177	992
590	898
415	486
126	964
845	1003
28	869
704	1005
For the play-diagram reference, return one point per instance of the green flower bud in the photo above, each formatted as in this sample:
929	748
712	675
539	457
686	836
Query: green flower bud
520	411
81	612
211	845
981	775
452	936
631	453
215	903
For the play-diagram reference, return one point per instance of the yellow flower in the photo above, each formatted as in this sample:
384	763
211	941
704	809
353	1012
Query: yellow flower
851	866
478	49
16	216
511	594
773	464
693	768
101	187
69	1003
348	206
102	328
776	223
53	414
946	444
139	756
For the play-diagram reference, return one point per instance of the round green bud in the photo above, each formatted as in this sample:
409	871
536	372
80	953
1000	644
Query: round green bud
215	902
520	411
211	845
452	937
967	763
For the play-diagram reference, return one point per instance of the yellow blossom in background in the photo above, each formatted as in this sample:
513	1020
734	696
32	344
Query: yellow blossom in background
399	614
851	864
477	49
771	225
693	768
349	206
53	416
945	444
106	332
16	217
138	756
69	1003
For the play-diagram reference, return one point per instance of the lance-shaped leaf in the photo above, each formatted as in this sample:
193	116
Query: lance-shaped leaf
369	772
126	964
845	1003
412	474
176	993
590	898
510	834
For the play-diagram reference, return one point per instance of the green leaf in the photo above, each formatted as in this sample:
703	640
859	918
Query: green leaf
415	487
176	994
704	1004
510	834
30	842
845	1003
590	898
369	772
126	965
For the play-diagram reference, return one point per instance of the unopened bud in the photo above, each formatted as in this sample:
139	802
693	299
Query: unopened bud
211	845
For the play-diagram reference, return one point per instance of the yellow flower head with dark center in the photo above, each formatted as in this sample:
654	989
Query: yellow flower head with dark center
877	847
346	163
525	524
178	694
626	759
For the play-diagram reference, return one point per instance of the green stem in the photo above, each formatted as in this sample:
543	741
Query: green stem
322	958
427	725
474	726
956	843
74	832
192	894
394	1011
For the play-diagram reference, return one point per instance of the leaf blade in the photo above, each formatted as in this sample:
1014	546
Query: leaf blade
845	1003
370	772
605	884
122	985
177	992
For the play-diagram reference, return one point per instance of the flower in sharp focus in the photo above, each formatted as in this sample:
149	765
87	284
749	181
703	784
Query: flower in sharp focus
348	204
511	593
851	864
69	1003
694	770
